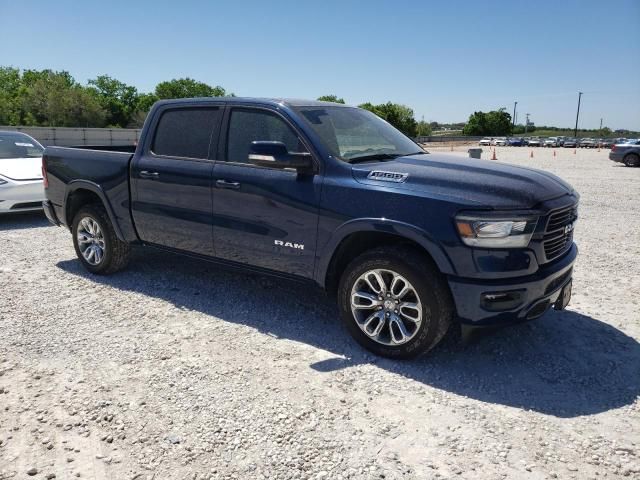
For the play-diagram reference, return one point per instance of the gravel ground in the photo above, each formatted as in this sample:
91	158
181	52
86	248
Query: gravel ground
176	369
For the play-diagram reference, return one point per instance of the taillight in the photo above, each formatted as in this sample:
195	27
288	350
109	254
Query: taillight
45	179
613	148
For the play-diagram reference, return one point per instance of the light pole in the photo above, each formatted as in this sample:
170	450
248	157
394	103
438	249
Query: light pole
513	120
526	123
575	132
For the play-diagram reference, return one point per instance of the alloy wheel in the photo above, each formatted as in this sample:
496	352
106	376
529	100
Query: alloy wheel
386	307
90	240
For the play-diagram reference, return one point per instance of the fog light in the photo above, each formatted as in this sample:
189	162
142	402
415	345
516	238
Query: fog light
500	301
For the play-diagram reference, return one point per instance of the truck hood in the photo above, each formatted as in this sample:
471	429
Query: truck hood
482	183
21	168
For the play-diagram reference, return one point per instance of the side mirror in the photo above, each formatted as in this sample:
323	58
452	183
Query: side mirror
276	155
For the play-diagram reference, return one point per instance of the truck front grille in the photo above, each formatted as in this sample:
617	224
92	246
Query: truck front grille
558	235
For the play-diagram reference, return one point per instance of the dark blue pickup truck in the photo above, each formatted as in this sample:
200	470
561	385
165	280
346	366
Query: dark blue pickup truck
409	242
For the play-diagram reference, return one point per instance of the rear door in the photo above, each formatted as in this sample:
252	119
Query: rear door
171	180
264	217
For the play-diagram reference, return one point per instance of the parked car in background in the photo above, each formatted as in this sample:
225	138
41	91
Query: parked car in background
606	143
534	142
561	140
21	186
570	143
627	153
588	143
499	141
551	142
485	142
409	242
515	142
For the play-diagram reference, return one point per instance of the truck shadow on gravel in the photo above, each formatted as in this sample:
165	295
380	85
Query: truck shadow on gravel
564	364
20	221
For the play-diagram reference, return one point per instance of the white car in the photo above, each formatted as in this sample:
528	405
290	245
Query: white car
499	141
21	187
485	142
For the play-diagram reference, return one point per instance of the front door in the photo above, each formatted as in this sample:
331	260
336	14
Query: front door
172	204
264	217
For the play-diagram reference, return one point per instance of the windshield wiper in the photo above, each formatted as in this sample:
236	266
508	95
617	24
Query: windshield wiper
374	156
380	156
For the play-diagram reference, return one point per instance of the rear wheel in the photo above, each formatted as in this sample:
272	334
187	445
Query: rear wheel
632	160
95	241
394	302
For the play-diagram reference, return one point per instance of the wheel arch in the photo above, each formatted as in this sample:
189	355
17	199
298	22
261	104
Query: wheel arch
356	237
83	192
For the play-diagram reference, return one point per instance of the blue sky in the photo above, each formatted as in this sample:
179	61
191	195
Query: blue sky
444	59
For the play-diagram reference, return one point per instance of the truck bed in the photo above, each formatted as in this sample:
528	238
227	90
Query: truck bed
102	172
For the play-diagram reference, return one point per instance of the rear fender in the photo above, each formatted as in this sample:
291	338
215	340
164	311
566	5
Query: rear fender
76	185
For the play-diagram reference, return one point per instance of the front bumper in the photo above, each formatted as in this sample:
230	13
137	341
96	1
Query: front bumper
534	294
21	196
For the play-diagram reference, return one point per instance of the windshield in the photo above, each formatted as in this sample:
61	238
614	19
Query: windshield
19	145
353	133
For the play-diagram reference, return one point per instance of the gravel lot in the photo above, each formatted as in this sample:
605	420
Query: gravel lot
176	369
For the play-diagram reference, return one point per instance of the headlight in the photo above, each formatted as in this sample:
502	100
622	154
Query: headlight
495	233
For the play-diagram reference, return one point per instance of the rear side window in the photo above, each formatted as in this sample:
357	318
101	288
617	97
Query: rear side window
185	132
246	126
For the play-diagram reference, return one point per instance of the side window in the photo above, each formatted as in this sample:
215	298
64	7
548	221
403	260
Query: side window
185	132
246	126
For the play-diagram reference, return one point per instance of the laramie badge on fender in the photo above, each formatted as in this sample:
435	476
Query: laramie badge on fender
388	176
280	243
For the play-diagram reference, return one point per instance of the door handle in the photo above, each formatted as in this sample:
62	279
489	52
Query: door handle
148	174
226	184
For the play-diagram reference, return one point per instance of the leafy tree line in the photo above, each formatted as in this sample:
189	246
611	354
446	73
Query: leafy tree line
496	122
50	98
400	116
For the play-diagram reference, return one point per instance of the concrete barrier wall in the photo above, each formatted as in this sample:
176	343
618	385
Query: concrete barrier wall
447	138
66	137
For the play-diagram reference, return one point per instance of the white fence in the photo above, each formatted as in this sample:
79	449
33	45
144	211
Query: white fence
66	137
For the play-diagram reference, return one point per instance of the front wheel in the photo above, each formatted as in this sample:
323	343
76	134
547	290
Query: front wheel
96	242
395	302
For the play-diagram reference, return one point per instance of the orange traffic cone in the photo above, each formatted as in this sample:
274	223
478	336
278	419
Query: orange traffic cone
574	151
531	154
554	153
493	157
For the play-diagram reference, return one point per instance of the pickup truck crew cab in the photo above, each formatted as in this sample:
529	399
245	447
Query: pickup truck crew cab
409	242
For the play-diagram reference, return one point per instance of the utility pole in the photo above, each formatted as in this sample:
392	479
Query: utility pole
575	132
513	120
526	123
600	126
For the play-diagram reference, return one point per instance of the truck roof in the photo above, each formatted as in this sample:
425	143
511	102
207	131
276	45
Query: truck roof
291	102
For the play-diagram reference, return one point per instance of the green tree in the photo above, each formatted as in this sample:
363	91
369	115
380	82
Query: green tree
499	122
496	122
119	100
55	99
423	129
331	98
10	86
400	116
187	88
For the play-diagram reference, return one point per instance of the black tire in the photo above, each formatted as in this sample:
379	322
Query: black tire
116	252
632	160
429	284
